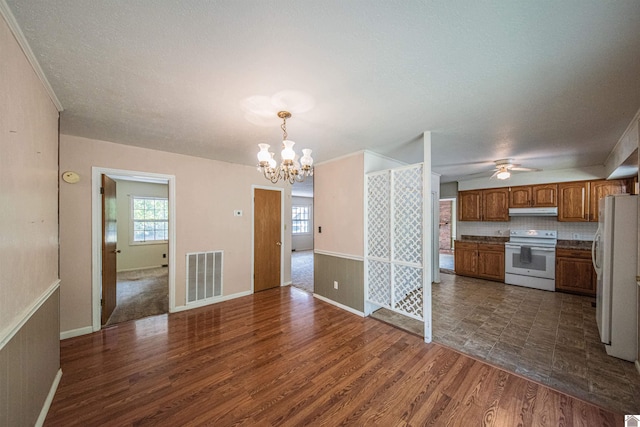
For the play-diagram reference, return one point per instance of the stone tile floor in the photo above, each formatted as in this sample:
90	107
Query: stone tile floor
550	337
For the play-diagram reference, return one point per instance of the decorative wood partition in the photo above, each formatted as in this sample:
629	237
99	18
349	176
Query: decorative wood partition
394	264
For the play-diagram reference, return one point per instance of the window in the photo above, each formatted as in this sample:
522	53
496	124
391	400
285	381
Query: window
150	218
300	219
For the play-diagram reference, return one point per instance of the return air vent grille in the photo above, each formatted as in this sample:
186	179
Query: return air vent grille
204	275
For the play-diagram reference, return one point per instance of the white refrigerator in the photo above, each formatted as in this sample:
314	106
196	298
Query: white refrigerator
614	255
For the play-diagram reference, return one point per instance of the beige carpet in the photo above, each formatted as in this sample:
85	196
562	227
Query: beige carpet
141	293
302	270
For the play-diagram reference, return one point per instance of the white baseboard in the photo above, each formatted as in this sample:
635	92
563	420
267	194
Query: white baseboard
76	332
209	302
49	399
287	283
337	304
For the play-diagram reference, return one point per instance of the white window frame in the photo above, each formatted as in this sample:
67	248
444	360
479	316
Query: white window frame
308	220
132	221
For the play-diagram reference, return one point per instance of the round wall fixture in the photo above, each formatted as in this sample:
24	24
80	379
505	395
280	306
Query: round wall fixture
70	177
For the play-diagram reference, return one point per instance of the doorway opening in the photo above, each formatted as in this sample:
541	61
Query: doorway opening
302	235
447	235
133	262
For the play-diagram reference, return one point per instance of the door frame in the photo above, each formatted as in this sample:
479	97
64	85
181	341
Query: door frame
253	223
96	232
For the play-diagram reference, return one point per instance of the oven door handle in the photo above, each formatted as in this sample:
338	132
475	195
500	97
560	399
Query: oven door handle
533	248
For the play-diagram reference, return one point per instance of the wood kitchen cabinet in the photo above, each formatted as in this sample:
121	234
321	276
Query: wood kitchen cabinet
470	205
482	260
491	204
491	261
466	258
600	189
573	201
536	196
575	272
578	201
495	204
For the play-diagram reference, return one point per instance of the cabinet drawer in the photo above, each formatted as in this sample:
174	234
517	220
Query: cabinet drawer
466	245
491	247
573	253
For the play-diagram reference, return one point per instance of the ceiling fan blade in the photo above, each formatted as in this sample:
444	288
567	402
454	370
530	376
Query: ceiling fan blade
495	174
520	169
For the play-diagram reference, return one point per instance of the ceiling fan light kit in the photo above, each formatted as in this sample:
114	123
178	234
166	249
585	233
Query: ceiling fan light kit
504	167
290	169
503	174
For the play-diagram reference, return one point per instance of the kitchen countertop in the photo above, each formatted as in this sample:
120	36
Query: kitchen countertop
563	244
574	244
483	239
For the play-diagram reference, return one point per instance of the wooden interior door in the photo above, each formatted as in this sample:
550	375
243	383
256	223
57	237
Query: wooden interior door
109	247
267	251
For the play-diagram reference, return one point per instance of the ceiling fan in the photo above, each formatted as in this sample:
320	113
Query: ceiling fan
504	167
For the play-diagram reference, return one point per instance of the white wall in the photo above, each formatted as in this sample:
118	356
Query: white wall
133	257
302	242
28	184
339	206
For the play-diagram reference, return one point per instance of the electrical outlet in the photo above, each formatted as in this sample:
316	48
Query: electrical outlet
335	284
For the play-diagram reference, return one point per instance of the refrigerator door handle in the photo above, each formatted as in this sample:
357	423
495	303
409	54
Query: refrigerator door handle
594	249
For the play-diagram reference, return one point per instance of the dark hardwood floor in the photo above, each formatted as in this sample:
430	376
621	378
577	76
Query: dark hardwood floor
281	357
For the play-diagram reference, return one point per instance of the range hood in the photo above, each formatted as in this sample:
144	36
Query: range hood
533	211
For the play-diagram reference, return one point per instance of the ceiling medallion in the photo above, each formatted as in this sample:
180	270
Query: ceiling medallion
290	169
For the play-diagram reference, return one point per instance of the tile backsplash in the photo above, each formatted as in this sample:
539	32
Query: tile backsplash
566	230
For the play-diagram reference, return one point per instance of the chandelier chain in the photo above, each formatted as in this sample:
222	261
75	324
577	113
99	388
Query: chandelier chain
283	126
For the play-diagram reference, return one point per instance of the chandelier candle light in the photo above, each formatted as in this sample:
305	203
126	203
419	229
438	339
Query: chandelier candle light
290	168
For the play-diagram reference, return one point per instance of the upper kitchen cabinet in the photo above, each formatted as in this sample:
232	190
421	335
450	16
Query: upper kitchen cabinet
578	201
470	205
600	189
491	204
538	196
573	201
495	204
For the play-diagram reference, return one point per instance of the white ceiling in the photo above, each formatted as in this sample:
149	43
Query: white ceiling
552	84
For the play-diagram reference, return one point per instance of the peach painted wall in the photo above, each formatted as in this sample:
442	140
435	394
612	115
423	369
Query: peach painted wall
207	193
339	205
28	185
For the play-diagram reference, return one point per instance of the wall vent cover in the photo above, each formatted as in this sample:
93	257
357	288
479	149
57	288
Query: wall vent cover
204	275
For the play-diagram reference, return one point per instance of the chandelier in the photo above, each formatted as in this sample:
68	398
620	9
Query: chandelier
290	169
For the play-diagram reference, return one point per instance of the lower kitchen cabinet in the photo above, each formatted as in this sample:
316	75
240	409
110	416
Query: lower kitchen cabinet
575	272
482	260
491	261
466	258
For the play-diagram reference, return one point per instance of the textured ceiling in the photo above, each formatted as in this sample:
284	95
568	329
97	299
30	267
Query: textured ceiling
552	84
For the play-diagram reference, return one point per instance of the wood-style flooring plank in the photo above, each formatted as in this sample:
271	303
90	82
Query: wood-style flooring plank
282	357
